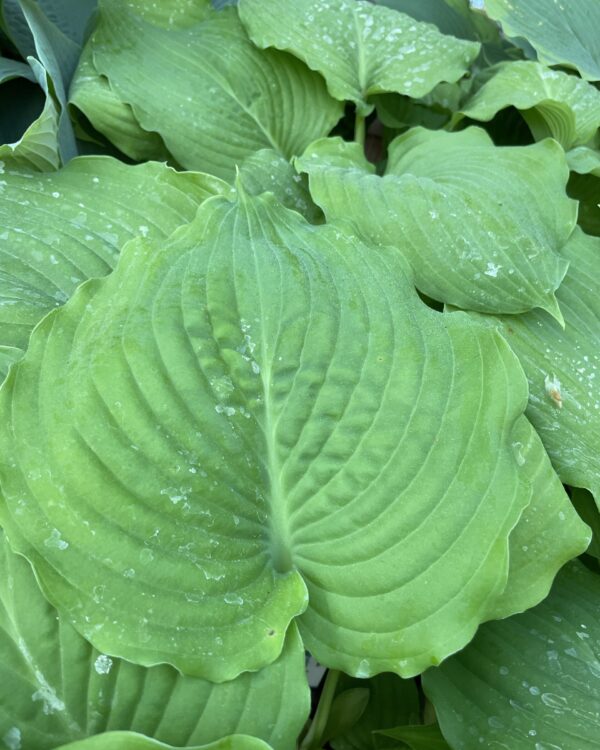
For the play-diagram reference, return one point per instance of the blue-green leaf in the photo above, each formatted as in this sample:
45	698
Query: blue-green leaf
531	681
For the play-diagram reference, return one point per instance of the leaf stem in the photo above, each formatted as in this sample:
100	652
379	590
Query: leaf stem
312	740
359	129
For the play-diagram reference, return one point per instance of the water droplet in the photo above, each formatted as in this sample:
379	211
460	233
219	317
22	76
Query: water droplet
146	555
12	739
230	598
554	701
54	541
103	664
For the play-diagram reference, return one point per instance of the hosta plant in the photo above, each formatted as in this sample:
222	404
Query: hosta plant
300	359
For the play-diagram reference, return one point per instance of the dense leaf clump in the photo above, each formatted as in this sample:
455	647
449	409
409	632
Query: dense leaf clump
300	358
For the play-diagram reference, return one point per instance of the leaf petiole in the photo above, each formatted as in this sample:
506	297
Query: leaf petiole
313	738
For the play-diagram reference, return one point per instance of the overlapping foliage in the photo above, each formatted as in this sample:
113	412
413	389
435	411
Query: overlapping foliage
299	342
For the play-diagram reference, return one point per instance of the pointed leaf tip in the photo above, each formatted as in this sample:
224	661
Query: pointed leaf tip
552	307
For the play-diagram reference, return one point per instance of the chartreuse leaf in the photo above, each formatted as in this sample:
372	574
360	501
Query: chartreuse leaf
562	33
268	171
181	86
531	681
535	555
56	688
360	49
392	701
563	367
224	449
91	94
480	225
8	355
131	741
584	160
553	102
61	228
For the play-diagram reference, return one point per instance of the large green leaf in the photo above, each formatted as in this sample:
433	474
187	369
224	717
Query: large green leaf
180	85
561	32
227	438
56	688
531	681
38	147
360	49
130	741
91	94
61	228
563	367
553	102
480	225
171	14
